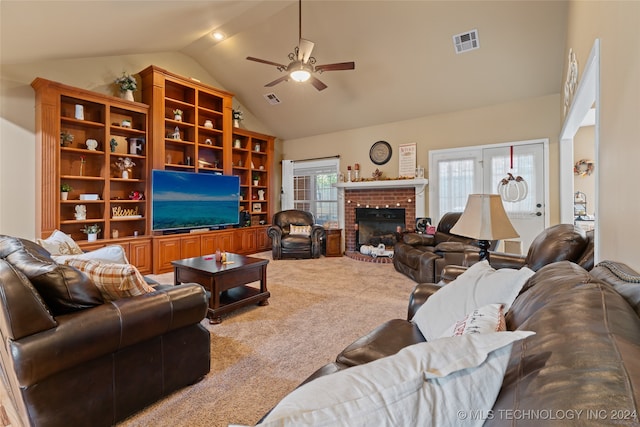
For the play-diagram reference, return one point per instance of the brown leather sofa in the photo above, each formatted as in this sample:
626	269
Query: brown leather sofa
584	356
422	257
69	358
287	245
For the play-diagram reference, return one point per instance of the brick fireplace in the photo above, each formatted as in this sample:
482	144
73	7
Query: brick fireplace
408	194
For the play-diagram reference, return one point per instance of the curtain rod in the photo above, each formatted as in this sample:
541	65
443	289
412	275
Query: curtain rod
318	158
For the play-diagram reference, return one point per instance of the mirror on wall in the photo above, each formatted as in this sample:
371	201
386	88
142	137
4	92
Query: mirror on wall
579	152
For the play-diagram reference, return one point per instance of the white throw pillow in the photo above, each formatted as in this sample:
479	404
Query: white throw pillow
483	320
113	254
433	383
300	230
479	285
60	243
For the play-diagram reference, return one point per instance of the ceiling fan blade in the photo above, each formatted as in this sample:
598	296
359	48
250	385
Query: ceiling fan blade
276	81
264	61
336	67
317	83
305	47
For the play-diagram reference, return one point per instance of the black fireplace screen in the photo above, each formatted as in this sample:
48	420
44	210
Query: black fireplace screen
377	226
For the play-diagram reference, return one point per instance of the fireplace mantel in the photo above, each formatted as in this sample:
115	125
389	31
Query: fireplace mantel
417	183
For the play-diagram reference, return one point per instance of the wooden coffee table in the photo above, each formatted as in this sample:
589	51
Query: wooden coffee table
227	283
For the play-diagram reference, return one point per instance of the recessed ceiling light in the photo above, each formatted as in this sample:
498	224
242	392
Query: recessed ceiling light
217	35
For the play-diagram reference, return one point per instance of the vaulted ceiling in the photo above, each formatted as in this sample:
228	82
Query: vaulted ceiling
406	65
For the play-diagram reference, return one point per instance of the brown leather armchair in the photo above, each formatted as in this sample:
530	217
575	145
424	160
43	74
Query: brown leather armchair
288	245
422	257
69	358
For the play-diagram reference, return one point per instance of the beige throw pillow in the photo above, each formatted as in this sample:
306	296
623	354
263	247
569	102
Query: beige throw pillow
60	243
300	230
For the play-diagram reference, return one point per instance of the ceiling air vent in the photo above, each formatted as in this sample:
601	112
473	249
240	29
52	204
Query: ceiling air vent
272	98
464	42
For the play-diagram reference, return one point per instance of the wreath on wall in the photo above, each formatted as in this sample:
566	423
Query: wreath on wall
584	167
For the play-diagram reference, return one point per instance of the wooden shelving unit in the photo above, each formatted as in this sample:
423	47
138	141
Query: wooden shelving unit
103	119
149	134
203	141
251	161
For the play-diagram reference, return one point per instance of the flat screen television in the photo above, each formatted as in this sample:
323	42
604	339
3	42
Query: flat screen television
188	200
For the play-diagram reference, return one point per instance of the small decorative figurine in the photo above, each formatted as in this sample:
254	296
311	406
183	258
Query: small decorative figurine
125	166
81	212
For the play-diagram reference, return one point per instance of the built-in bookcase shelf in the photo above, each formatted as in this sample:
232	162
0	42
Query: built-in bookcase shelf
101	130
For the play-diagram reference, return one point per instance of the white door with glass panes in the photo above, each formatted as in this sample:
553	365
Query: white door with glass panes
456	173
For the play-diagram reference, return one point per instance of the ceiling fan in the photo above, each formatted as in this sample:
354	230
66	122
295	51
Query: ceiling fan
302	65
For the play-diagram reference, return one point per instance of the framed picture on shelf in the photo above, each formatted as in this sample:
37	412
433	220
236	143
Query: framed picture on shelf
257	207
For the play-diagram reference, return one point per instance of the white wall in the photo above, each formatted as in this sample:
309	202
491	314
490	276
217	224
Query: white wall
524	120
615	23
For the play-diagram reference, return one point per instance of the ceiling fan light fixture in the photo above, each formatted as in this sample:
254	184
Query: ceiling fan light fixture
299	71
300	75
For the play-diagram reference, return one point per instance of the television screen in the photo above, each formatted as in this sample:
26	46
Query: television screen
184	200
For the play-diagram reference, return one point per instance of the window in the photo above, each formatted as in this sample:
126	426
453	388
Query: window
456	183
456	174
312	189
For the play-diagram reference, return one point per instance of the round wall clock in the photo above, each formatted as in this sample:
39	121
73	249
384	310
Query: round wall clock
380	152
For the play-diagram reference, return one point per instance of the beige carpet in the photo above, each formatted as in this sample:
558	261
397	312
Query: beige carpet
259	354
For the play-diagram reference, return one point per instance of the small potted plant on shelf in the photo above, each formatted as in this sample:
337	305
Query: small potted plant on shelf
64	191
127	85
65	139
256	179
177	114
91	231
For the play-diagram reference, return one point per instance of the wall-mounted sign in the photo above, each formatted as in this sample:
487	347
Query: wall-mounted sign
407	160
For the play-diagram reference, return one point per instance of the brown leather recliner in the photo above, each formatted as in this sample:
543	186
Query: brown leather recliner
561	242
69	358
288	245
422	257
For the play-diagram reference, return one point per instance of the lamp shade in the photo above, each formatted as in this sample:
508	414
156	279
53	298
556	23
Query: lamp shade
484	218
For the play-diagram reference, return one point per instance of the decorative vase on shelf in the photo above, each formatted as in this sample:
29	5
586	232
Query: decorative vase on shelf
92	237
125	174
64	195
236	123
177	118
255	182
127	94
